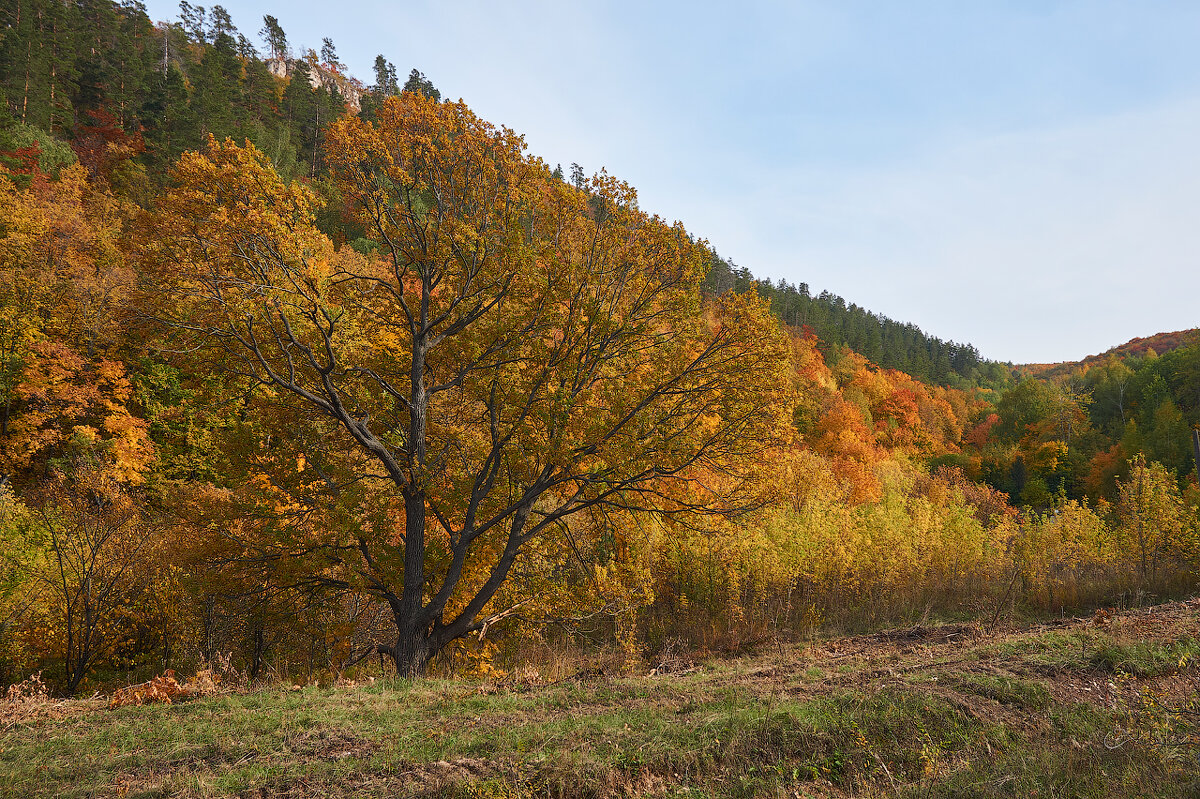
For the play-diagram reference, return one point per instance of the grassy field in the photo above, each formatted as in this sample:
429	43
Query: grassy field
1083	708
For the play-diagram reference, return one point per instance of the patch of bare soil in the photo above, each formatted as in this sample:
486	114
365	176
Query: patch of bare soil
325	744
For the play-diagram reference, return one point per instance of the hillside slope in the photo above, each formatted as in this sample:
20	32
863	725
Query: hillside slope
184	80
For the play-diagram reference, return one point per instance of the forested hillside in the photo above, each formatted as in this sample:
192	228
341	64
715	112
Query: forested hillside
104	72
1159	343
841	326
297	371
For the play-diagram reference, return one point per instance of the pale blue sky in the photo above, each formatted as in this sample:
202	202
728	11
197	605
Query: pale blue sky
1024	176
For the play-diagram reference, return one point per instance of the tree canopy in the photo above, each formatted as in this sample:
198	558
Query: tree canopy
520	354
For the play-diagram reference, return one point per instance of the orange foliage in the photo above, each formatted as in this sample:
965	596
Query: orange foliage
843	433
63	281
948	484
103	146
981	434
1104	469
68	406
163	689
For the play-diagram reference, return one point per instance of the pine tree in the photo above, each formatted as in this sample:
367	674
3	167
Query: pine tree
274	37
37	63
418	83
216	86
171	124
385	78
118	55
258	98
193	18
221	25
329	55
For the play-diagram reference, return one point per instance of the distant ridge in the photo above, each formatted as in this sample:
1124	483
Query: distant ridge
1161	343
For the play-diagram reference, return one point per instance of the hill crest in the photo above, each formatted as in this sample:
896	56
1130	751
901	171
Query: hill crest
1137	347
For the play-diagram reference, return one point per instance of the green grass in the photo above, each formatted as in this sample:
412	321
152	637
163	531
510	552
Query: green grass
1113	652
983	722
1019	693
1145	658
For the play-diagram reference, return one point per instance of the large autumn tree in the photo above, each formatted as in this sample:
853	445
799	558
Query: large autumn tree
518	354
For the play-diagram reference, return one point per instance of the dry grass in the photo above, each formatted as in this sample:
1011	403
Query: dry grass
1051	710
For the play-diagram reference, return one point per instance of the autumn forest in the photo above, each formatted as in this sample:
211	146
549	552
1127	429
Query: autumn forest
313	377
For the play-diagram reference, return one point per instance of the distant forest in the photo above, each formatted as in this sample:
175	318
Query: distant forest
844	326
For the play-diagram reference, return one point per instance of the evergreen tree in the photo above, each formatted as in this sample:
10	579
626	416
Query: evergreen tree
297	104
245	48
216	87
308	111
258	98
221	25
419	84
385	78
118	55
274	37
37	62
171	125
329	55
193	19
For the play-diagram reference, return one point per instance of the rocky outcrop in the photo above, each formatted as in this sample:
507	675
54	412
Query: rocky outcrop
349	89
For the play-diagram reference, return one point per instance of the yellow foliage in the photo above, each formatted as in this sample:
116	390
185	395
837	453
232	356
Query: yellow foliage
1153	524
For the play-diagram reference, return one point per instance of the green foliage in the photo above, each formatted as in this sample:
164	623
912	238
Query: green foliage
837	324
417	82
52	154
386	84
276	142
273	36
22	543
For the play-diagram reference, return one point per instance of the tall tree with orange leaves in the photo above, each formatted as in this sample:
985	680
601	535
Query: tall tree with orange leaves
523	352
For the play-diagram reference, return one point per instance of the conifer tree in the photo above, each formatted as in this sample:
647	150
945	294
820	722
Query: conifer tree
193	19
171	125
385	78
329	55
418	83
216	86
221	24
273	36
37	64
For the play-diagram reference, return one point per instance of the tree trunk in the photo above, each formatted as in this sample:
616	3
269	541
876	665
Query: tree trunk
413	649
260	647
74	678
1196	451
412	652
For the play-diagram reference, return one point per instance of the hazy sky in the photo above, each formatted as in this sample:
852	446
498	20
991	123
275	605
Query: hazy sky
1024	176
